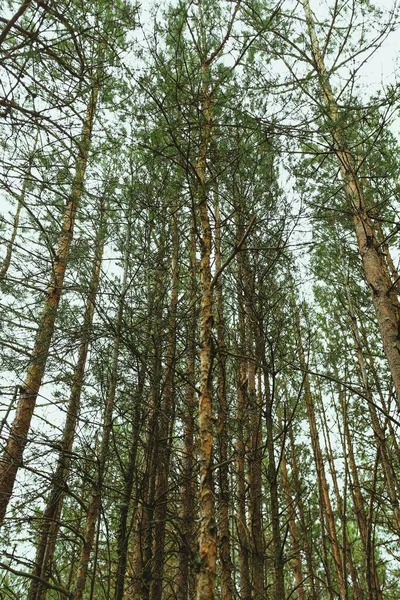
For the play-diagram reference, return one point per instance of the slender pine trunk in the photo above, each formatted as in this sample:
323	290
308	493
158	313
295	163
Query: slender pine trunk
13	452
51	517
184	575
167	418
224	540
94	507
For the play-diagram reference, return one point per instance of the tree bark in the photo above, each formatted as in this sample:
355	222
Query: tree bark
241	439
207	538
142	544
272	475
341	506
305	535
129	479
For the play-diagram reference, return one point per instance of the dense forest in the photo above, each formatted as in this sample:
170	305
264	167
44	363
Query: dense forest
199	300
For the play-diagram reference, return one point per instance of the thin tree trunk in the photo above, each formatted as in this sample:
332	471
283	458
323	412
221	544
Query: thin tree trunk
186	547
347	554
142	545
51	518
207	537
255	469
167	419
241	441
324	498
294	534
123	530
144	528
224	540
95	500
12	456
305	534
272	475
371	573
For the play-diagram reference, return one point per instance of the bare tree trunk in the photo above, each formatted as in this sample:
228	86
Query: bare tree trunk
305	533
241	440
371	573
51	517
12	456
347	554
167	423
123	530
255	480
294	534
224	541
186	548
207	538
95	500
142	545
324	498
272	475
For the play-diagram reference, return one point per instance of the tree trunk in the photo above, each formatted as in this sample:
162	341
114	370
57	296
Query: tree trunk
294	534
224	540
379	433
255	465
305	535
324	498
186	547
272	475
51	518
123	530
341	505
371	573
207	538
95	500
12	456
241	439
375	263
167	418
139	588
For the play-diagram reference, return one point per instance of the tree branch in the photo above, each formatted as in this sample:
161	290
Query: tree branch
236	249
